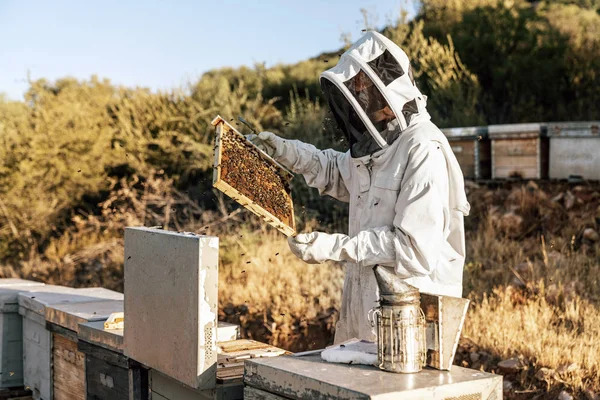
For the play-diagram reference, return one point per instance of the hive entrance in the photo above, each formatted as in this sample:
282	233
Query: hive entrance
252	178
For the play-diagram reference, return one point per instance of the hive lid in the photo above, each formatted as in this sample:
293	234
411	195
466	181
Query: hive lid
515	130
466	132
392	288
574	129
6	282
38	301
94	332
70	315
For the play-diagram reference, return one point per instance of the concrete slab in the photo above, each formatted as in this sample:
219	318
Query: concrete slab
171	284
69	316
310	377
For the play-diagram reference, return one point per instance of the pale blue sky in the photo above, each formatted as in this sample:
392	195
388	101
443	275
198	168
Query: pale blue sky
161	44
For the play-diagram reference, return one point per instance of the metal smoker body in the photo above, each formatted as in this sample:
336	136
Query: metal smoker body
400	325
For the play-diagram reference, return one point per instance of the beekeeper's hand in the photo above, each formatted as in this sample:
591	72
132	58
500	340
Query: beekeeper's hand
268	142
317	247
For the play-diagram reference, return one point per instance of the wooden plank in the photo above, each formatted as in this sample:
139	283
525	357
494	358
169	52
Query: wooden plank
101	353
105	380
138	381
286	225
517	161
69	370
515	147
241	344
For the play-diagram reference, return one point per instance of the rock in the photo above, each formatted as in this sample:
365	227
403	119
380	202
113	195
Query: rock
474	356
569	200
511	366
568	368
545	374
591	235
564	395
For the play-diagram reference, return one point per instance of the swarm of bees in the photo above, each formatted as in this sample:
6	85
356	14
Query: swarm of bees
243	168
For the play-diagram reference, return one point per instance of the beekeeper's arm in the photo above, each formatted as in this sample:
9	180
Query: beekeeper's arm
321	168
413	244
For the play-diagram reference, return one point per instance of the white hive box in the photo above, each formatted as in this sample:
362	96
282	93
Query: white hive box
574	150
11	331
171	285
37	340
227	331
309	377
519	151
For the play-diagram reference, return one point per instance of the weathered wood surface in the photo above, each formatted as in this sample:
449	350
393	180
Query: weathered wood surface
139	385
521	158
232	354
69	370
285	225
105	380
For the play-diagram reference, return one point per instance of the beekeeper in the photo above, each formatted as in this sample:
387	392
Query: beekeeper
403	183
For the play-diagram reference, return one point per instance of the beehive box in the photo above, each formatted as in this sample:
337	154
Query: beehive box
229	377
109	374
38	340
11	332
309	377
574	150
519	151
63	321
171	286
472	149
252	178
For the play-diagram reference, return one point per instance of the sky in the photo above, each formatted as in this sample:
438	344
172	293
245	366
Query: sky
162	45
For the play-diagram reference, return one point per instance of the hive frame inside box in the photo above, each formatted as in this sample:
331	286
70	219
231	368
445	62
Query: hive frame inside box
219	183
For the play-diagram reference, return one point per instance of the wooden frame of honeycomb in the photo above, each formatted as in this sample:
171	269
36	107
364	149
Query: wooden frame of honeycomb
252	178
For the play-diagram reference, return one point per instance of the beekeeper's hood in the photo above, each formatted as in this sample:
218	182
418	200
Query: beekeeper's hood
372	94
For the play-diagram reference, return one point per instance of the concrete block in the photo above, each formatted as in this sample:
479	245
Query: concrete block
171	285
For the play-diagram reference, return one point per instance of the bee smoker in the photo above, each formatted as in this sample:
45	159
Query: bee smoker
400	324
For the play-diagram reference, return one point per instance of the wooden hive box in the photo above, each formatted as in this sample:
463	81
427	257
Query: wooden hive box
472	149
252	178
68	374
574	150
109	374
519	151
38	340
229	379
11	332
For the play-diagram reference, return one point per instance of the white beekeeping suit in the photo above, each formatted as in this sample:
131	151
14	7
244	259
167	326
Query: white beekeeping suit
403	183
